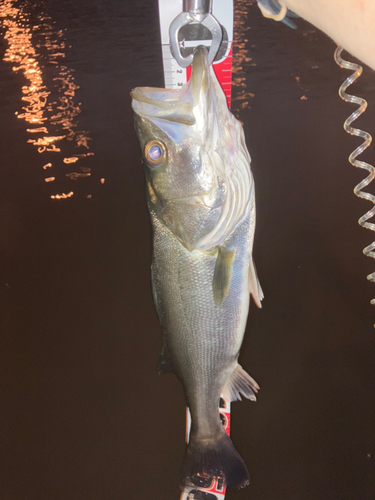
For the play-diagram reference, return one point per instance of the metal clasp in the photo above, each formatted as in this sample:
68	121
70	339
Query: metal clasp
198	11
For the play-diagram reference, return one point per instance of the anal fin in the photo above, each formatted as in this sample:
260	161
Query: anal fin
240	384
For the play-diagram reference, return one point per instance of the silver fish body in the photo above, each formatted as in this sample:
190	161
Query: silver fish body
202	207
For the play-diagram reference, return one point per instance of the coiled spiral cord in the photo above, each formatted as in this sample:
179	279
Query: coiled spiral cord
363	221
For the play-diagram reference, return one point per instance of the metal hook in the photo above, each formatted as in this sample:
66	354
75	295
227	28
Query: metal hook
195	11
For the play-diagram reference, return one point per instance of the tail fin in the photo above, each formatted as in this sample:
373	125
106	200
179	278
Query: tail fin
219	459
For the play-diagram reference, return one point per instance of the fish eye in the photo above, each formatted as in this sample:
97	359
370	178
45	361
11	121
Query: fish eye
155	153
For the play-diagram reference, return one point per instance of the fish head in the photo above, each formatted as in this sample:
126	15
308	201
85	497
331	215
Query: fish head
186	138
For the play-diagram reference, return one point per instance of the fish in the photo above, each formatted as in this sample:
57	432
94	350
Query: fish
201	200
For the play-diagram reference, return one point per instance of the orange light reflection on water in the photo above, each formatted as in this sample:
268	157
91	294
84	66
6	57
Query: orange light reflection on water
62	196
241	55
50	109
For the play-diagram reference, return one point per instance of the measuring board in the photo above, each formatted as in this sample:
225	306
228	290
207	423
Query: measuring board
191	36
175	77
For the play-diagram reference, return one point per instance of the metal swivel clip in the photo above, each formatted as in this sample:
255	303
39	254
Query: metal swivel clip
195	11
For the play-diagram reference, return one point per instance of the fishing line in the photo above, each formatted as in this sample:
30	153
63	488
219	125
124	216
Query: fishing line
358	190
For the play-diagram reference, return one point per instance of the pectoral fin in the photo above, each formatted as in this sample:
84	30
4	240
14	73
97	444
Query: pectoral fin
222	274
154	294
165	363
254	285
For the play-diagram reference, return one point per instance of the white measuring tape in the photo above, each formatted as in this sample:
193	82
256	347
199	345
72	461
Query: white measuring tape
193	35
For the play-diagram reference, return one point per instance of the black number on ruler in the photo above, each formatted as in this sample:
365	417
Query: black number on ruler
180	84
179	71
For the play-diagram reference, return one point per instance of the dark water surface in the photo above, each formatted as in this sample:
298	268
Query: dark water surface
83	413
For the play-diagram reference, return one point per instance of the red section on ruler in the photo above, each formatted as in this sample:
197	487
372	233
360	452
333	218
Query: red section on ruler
216	486
223	71
225	415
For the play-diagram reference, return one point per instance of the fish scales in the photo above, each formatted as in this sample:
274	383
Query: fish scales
205	340
201	201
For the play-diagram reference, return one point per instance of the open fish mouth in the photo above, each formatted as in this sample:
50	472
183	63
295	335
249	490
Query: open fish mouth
162	103
207	178
175	105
